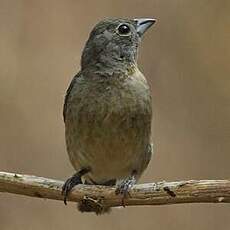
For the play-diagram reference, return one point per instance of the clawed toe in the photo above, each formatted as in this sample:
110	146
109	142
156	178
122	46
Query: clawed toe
71	182
124	187
68	186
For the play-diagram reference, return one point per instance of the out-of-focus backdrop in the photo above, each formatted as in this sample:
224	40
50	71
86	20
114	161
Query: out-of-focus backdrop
185	57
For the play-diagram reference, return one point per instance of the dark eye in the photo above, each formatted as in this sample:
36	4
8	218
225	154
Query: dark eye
123	29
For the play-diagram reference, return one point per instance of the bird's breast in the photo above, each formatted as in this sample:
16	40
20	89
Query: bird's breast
108	124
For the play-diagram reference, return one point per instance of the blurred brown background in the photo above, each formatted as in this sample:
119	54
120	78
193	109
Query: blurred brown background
185	57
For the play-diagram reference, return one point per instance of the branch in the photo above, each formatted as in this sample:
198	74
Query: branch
192	191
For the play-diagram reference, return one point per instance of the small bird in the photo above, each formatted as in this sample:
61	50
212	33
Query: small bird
108	110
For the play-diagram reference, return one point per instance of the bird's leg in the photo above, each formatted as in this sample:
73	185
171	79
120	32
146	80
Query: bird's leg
125	185
72	181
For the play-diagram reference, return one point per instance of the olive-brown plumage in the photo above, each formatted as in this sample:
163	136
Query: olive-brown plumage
108	109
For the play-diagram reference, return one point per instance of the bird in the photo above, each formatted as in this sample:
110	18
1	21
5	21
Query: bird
108	110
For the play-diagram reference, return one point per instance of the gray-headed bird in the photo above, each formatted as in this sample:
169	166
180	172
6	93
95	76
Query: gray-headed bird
108	110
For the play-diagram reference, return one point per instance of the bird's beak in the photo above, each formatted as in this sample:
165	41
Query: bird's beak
143	24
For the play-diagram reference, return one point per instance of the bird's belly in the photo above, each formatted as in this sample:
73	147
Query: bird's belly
111	148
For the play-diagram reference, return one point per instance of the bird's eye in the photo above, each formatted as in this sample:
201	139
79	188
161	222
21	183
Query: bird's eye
123	29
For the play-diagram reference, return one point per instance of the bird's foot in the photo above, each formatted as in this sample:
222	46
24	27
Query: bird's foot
124	187
73	181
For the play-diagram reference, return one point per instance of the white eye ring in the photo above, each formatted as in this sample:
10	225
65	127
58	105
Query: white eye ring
123	29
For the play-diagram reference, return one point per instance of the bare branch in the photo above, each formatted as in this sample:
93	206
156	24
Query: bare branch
192	191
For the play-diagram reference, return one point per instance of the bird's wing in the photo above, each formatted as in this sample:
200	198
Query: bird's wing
67	94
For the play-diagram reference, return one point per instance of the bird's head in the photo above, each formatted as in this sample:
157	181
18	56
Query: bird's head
114	42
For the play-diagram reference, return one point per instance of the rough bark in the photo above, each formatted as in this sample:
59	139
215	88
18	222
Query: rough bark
160	193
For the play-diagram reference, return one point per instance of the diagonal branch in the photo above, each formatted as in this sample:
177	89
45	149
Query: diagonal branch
192	191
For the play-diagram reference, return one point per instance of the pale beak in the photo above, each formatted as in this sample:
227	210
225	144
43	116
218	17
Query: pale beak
143	24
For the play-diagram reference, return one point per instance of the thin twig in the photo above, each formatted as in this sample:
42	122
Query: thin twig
160	193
